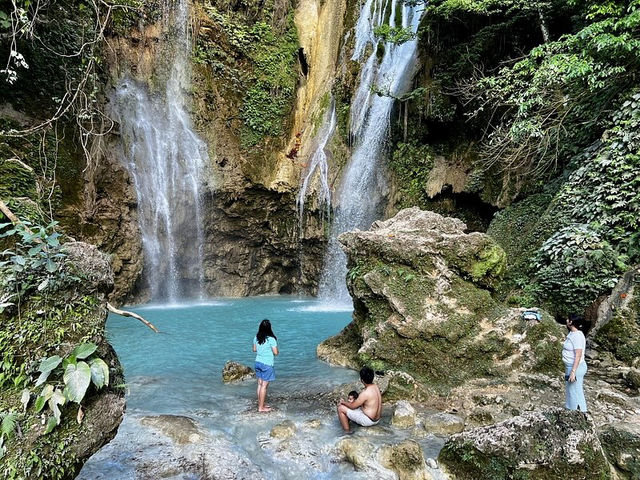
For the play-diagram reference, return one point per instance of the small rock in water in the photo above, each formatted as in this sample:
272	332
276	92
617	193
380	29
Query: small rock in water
404	415
236	372
432	463
181	430
356	451
313	423
285	429
443	423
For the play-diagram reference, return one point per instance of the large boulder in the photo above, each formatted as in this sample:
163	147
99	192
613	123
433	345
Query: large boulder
621	443
543	444
421	288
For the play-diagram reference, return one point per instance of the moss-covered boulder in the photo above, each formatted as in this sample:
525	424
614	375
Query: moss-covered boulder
544	444
423	305
621	443
52	320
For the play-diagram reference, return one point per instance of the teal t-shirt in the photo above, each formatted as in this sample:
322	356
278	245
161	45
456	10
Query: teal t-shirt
264	354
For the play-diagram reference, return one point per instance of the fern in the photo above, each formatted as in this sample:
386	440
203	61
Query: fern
8	425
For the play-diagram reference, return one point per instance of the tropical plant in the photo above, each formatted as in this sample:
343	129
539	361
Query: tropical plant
34	262
66	380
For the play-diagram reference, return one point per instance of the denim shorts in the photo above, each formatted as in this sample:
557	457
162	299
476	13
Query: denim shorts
265	372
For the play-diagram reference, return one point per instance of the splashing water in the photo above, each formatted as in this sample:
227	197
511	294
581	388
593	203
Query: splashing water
363	184
165	158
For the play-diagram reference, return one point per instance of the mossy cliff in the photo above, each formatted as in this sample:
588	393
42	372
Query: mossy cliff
52	320
423	304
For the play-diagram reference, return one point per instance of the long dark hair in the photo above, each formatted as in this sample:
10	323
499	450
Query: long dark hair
264	331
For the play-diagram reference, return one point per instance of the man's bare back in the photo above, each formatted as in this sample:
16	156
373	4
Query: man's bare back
372	401
366	409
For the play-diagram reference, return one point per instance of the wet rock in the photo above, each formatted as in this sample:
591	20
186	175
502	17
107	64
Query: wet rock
236	372
432	463
621	443
546	443
285	429
406	460
314	423
356	451
443	423
404	415
633	378
181	430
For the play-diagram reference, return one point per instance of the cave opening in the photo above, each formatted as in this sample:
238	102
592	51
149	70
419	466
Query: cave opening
468	207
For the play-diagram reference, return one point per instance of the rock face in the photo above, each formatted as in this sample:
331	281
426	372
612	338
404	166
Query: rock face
548	443
236	372
404	415
443	423
423	305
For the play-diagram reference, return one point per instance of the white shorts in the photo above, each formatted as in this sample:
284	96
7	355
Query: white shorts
360	417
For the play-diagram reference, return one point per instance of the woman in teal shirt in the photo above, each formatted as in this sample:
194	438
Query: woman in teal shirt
265	345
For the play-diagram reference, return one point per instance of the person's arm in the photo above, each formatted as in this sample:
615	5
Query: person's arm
255	349
576	362
274	347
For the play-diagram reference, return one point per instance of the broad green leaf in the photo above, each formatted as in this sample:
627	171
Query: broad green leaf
40	403
99	372
24	399
43	284
42	378
77	378
35	250
56	399
51	266
83	350
49	363
19	259
51	424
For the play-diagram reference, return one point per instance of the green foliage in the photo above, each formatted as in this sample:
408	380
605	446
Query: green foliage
262	63
412	164
599	211
35	261
396	35
549	106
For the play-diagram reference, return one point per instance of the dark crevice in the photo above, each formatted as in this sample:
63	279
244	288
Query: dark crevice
302	58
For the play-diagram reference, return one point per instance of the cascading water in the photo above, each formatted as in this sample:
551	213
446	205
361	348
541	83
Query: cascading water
165	157
363	183
318	163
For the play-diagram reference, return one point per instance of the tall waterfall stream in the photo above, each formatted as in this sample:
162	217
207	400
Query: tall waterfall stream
165	158
363	185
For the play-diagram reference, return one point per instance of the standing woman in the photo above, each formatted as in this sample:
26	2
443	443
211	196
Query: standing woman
575	365
266	347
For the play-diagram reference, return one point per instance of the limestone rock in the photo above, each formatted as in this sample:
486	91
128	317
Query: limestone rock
545	443
236	372
91	264
423	307
406	460
621	443
285	429
404	415
181	430
356	451
443	423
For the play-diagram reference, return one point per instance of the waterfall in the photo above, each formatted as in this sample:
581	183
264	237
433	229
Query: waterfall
318	163
361	190
165	159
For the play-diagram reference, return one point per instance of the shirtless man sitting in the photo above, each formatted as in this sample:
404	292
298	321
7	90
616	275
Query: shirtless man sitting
366	409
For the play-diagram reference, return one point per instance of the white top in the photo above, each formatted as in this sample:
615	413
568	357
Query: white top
574	341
